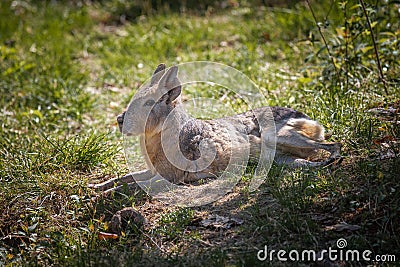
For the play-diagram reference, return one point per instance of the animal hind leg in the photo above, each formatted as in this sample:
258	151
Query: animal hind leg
295	140
299	162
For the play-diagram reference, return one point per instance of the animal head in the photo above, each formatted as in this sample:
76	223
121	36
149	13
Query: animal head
151	105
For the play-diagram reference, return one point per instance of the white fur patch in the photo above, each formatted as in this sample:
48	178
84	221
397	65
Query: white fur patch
318	130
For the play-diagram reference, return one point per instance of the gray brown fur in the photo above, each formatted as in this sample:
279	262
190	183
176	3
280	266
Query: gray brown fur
297	136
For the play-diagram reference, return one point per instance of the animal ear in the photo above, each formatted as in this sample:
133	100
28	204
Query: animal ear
174	93
158	72
170	85
170	79
171	95
159	68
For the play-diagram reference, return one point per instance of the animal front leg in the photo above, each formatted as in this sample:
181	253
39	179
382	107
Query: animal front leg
128	178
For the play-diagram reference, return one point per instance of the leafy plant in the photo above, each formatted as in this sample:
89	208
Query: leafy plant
363	47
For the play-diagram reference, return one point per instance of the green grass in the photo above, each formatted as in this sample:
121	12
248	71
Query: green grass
68	68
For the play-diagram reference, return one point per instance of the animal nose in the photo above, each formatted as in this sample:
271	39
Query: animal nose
120	117
120	120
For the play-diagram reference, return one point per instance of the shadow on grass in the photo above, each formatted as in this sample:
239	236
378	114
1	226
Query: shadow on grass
301	209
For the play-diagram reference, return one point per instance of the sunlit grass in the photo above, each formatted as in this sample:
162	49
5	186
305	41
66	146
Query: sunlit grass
66	70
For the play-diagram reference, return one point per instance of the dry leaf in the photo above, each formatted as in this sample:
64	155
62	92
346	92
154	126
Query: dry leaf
105	236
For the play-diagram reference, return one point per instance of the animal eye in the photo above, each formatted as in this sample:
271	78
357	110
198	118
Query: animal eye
149	102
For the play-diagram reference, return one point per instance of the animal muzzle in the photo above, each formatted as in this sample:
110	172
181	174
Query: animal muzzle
120	120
